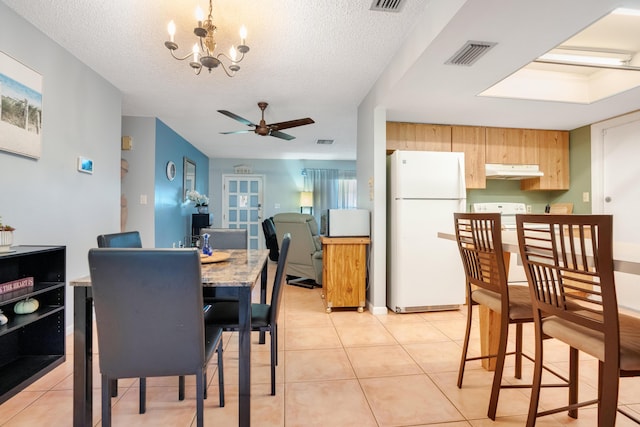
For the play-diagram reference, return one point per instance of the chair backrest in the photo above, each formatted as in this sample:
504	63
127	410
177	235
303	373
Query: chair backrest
270	238
148	305
226	238
278	283
568	260
304	233
128	239
479	237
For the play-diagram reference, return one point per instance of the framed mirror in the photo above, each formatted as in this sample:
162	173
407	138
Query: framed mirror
189	176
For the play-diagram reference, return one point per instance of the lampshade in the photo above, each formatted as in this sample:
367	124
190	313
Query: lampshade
306	198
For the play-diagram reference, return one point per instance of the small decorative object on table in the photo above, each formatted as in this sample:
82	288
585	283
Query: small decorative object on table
6	236
3	318
201	201
206	247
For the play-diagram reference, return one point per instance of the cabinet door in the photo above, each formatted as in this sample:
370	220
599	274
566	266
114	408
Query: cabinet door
511	146
470	140
418	137
400	136
553	157
433	137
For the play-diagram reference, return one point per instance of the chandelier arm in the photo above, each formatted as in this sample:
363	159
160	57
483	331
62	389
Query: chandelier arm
179	58
221	54
226	71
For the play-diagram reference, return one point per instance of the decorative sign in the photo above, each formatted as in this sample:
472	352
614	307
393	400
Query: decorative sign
14	285
21	108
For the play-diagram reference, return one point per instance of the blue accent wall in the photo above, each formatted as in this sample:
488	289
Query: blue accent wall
172	213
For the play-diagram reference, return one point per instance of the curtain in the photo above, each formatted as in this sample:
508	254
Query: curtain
332	189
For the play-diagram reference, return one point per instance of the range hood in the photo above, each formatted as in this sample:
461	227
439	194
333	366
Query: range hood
514	172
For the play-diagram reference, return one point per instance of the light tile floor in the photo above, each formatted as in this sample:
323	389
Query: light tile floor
339	369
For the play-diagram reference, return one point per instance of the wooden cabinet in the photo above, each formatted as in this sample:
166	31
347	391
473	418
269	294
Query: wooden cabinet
547	148
32	344
470	140
418	136
553	158
344	271
511	146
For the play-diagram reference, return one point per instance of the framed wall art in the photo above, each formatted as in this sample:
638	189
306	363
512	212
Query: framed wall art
21	108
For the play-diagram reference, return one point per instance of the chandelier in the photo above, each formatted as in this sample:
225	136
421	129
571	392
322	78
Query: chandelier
203	52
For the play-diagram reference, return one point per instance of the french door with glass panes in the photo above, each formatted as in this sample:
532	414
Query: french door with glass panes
242	205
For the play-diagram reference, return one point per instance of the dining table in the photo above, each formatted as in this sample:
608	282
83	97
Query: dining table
626	259
241	270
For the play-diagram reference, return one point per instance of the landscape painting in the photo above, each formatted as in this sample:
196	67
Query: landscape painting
21	108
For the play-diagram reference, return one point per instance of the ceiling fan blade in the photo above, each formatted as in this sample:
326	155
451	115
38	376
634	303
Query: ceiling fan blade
291	124
236	117
282	135
237	131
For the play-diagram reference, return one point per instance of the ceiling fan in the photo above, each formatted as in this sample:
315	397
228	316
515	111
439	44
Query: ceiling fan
263	128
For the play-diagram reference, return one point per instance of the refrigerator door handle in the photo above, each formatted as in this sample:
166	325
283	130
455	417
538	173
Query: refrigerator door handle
461	177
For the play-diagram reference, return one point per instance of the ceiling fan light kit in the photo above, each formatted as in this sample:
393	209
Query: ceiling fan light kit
202	54
265	129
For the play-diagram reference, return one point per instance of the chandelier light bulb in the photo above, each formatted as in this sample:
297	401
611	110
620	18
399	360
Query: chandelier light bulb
233	54
243	34
199	15
196	51
172	30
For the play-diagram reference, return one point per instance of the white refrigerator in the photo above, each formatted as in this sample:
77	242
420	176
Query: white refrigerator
424	272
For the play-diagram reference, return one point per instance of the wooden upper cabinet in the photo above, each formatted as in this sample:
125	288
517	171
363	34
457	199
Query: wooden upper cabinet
512	146
553	158
418	137
470	140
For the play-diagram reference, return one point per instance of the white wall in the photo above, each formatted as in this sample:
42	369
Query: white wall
47	200
140	179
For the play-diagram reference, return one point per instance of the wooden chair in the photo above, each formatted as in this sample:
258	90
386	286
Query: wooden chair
580	247
264	317
150	321
480	243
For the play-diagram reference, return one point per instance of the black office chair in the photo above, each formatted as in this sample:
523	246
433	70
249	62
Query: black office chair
264	317
271	240
150	322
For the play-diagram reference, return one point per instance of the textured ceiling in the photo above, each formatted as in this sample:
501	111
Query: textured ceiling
319	59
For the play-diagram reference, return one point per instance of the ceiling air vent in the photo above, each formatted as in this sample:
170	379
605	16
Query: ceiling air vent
470	53
387	5
324	141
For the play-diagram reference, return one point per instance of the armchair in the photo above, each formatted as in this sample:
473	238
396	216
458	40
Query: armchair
305	255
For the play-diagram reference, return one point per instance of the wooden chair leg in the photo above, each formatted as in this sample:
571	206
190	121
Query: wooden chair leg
465	346
537	381
518	354
106	401
497	374
608	399
573	381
